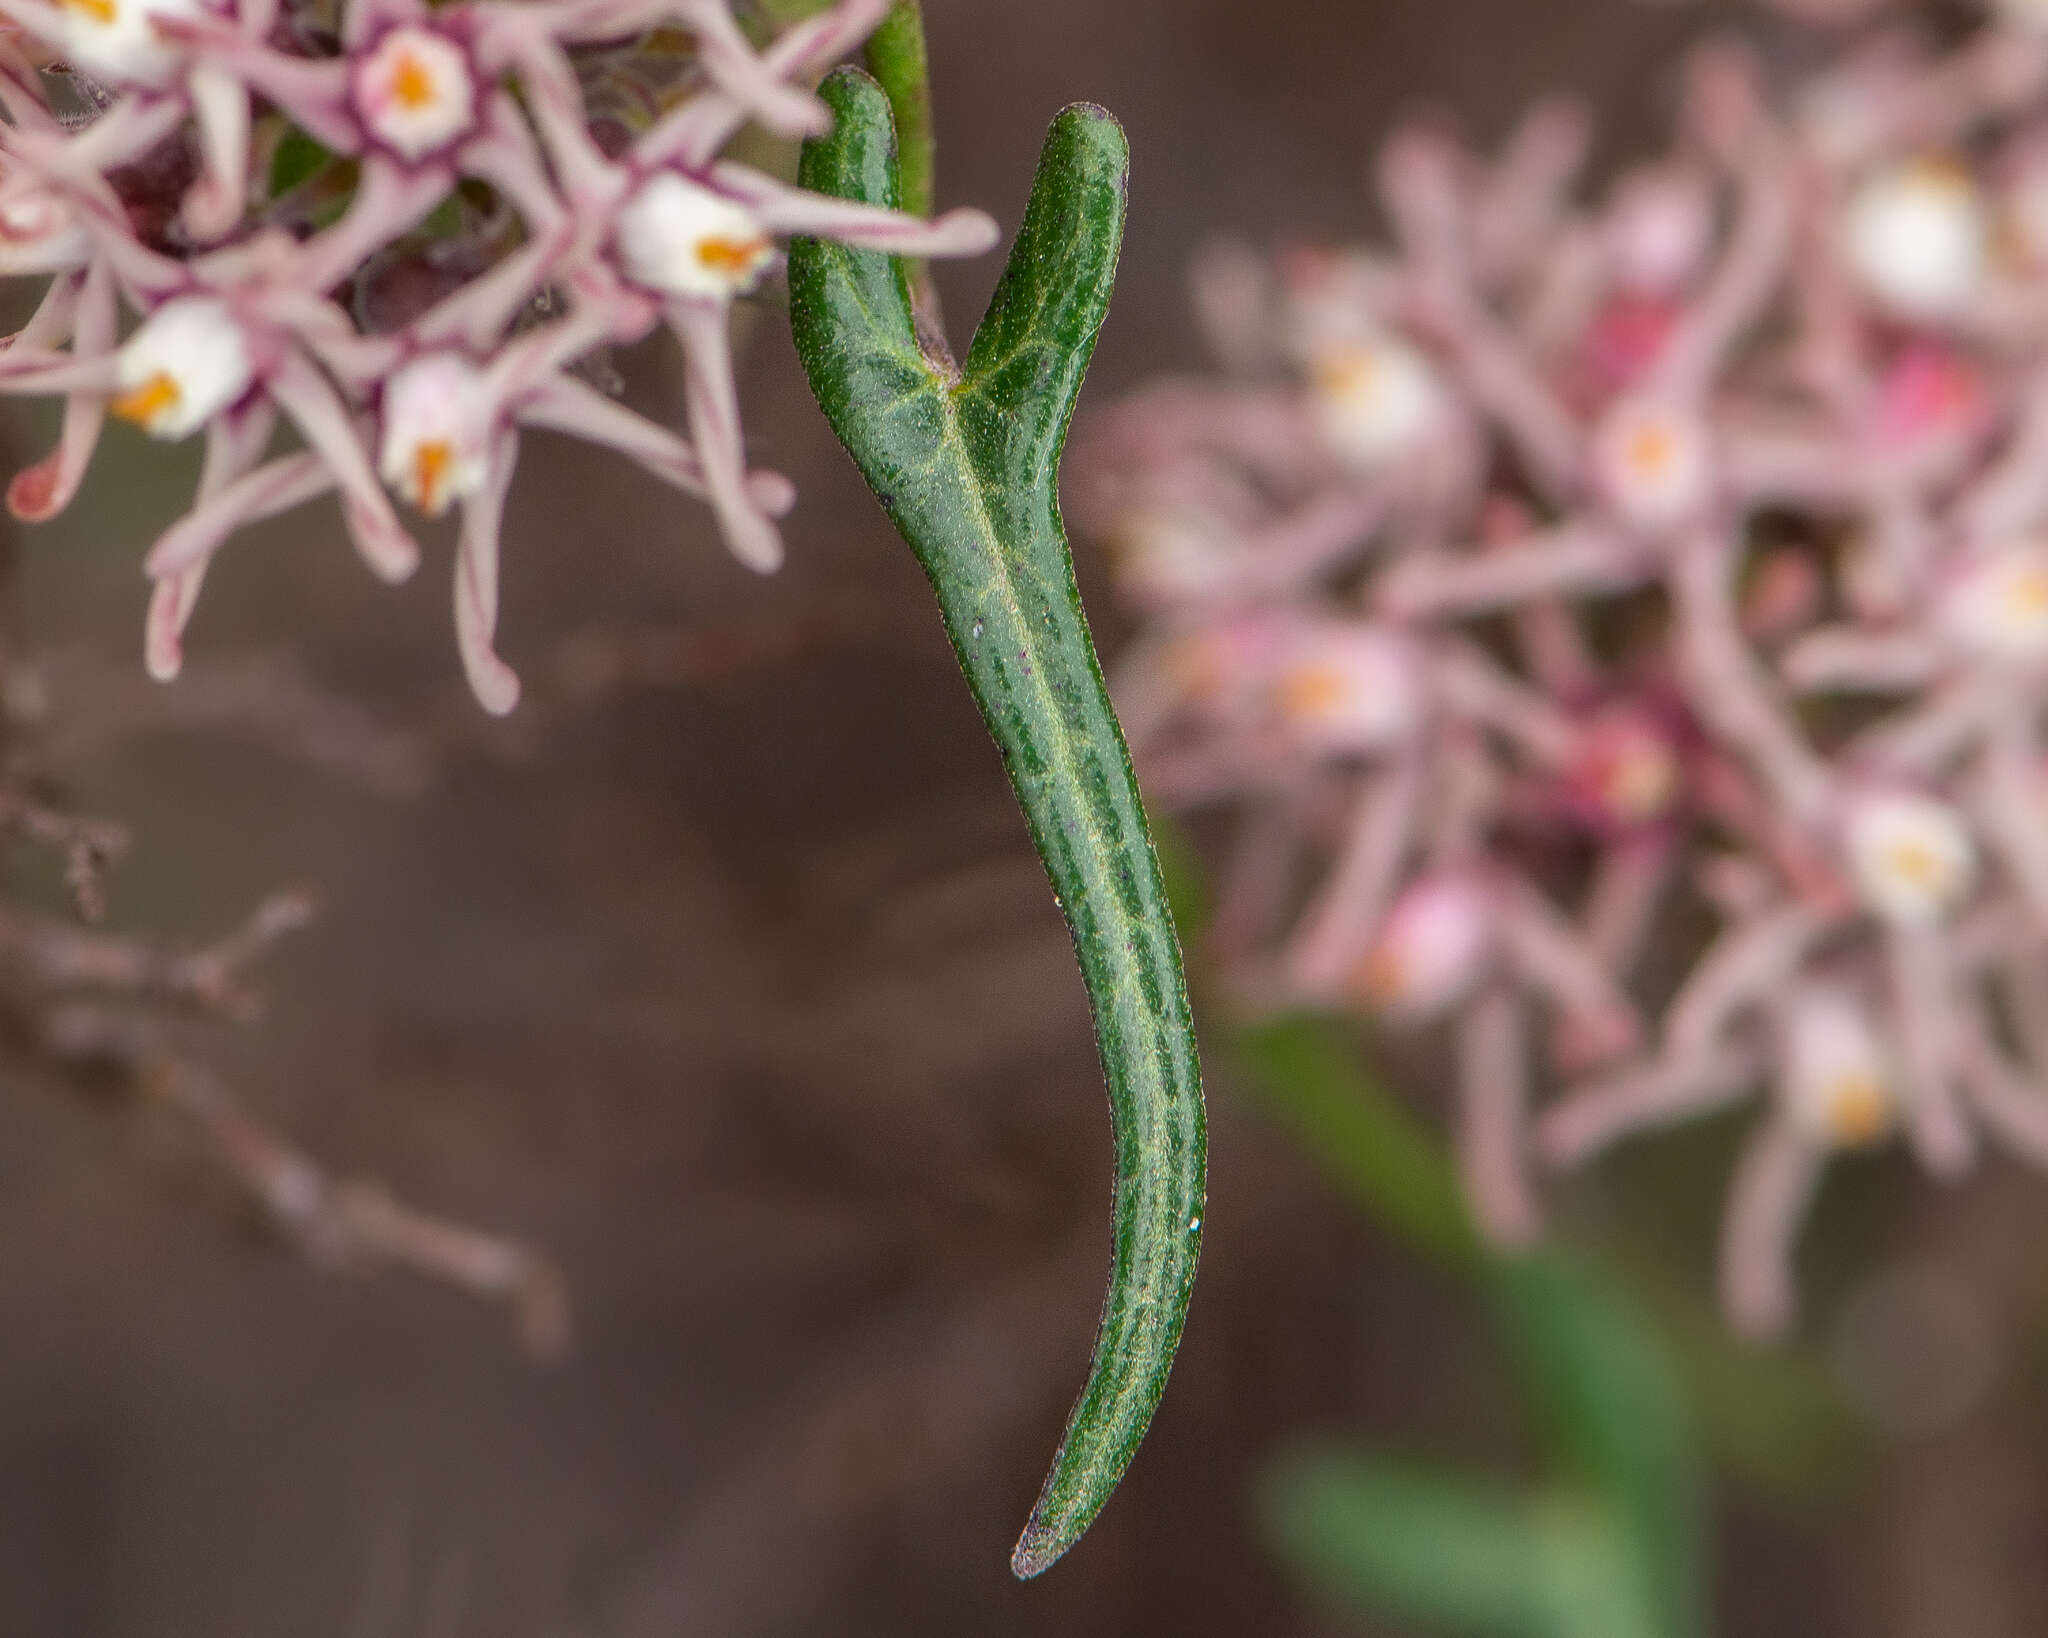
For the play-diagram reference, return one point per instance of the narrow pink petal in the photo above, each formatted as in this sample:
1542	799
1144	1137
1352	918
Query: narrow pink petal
214	205
363	20
1923	1000
1555	960
728	60
275	487
1741	286
42	491
696	131
476	584
1729	688
1774	1185
1571	559
565	404
1644	1097
1739	968
49	326
1493	1098
1339	924
786	209
381	539
711	401
171	602
388	203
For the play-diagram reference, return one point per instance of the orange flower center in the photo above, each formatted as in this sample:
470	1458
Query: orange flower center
102	12
412	83
147	403
734	257
430	464
1312	691
1858	1113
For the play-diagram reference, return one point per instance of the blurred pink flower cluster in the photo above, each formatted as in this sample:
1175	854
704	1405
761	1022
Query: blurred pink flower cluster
467	234
1619	620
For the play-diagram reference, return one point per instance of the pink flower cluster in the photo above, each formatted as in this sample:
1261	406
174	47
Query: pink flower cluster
1626	621
156	191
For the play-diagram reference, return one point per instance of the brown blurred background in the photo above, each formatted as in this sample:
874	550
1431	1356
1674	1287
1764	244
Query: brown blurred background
747	1001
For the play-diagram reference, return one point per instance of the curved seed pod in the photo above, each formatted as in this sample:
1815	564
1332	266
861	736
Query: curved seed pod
966	462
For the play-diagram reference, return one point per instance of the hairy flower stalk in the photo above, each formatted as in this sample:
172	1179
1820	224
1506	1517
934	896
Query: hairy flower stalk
1576	567
459	136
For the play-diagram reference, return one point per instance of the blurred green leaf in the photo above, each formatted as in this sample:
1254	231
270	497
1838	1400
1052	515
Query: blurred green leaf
1611	1402
1454	1556
1377	1538
295	158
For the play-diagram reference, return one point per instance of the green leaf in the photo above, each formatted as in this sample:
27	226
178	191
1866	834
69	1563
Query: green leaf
1379	1538
1606	1392
897	59
1451	1555
296	157
966	462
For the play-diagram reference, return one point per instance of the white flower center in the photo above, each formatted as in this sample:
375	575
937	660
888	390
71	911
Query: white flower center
1165	557
1834	1077
437	432
414	92
680	237
1374	399
1339	688
187	363
38	233
118	40
1912	856
1918	235
1998	607
1652	462
1429	951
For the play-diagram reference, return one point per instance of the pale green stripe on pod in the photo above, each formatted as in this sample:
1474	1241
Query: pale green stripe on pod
967	465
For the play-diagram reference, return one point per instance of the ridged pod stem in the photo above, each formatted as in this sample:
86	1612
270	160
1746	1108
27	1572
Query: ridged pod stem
966	462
